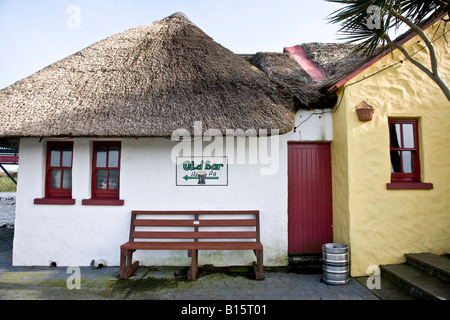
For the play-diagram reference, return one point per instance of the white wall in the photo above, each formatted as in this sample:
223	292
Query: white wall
77	234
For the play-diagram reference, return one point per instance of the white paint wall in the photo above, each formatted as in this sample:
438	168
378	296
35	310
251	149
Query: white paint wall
78	234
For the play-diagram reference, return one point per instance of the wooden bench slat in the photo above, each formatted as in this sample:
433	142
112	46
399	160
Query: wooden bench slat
235	245
194	235
191	212
195	223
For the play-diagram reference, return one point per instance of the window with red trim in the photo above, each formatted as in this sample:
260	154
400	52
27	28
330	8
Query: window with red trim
405	159
58	176
105	174
405	162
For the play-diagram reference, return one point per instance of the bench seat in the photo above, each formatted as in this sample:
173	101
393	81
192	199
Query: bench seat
187	236
215	245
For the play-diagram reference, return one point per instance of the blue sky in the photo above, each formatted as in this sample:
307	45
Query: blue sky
34	33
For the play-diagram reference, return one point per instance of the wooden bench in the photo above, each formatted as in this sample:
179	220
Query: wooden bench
171	230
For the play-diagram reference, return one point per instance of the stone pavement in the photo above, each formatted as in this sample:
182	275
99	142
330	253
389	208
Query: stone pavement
166	291
165	283
168	284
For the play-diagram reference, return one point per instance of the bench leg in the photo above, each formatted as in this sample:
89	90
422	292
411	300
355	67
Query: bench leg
192	273
258	266
126	266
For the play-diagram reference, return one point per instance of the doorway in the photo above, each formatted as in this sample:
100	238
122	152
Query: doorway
309	197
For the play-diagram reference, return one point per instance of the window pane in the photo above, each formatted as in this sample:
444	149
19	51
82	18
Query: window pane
67	157
396	166
55	182
101	179
407	162
101	156
113	159
408	135
113	179
55	156
394	129
67	179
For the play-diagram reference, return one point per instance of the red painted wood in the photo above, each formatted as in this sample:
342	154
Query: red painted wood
9	159
187	212
127	249
195	223
103	193
414	176
194	235
58	192
102	202
309	197
55	200
409	186
226	245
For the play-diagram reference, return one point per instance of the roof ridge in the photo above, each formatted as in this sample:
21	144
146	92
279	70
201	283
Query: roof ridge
299	55
177	16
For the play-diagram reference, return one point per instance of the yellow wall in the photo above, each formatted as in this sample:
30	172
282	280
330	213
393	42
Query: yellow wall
381	225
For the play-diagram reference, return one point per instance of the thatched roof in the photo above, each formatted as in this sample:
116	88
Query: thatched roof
145	82
335	61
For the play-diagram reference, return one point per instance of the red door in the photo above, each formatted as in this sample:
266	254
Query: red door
309	197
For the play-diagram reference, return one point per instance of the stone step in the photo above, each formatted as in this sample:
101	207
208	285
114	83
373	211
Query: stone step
417	281
305	260
305	264
434	265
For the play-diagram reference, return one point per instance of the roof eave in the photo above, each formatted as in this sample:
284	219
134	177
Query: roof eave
411	34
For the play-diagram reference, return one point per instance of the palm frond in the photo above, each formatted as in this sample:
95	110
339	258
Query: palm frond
355	14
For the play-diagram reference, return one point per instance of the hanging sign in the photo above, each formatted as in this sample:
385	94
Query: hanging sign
202	171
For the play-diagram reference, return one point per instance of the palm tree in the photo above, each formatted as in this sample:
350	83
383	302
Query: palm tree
367	24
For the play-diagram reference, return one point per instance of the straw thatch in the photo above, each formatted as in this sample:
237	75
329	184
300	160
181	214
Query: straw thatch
335	61
145	82
151	80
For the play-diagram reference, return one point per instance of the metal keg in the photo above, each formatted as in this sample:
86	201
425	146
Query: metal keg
335	263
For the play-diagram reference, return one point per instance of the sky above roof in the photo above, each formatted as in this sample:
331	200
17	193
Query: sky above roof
36	33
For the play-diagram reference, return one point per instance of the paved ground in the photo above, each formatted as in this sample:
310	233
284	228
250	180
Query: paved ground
163	284
85	283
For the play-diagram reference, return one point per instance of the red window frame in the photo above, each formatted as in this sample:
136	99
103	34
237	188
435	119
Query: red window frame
105	184
405	155
399	151
61	191
61	194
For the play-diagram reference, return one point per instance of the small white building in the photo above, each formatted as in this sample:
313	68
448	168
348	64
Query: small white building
129	122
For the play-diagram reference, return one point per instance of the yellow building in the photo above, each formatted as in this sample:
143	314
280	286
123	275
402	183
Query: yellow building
391	174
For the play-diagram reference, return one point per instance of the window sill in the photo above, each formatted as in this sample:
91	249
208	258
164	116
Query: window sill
409	186
55	201
102	202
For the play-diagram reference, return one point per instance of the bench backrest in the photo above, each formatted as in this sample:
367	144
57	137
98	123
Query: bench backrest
192	225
